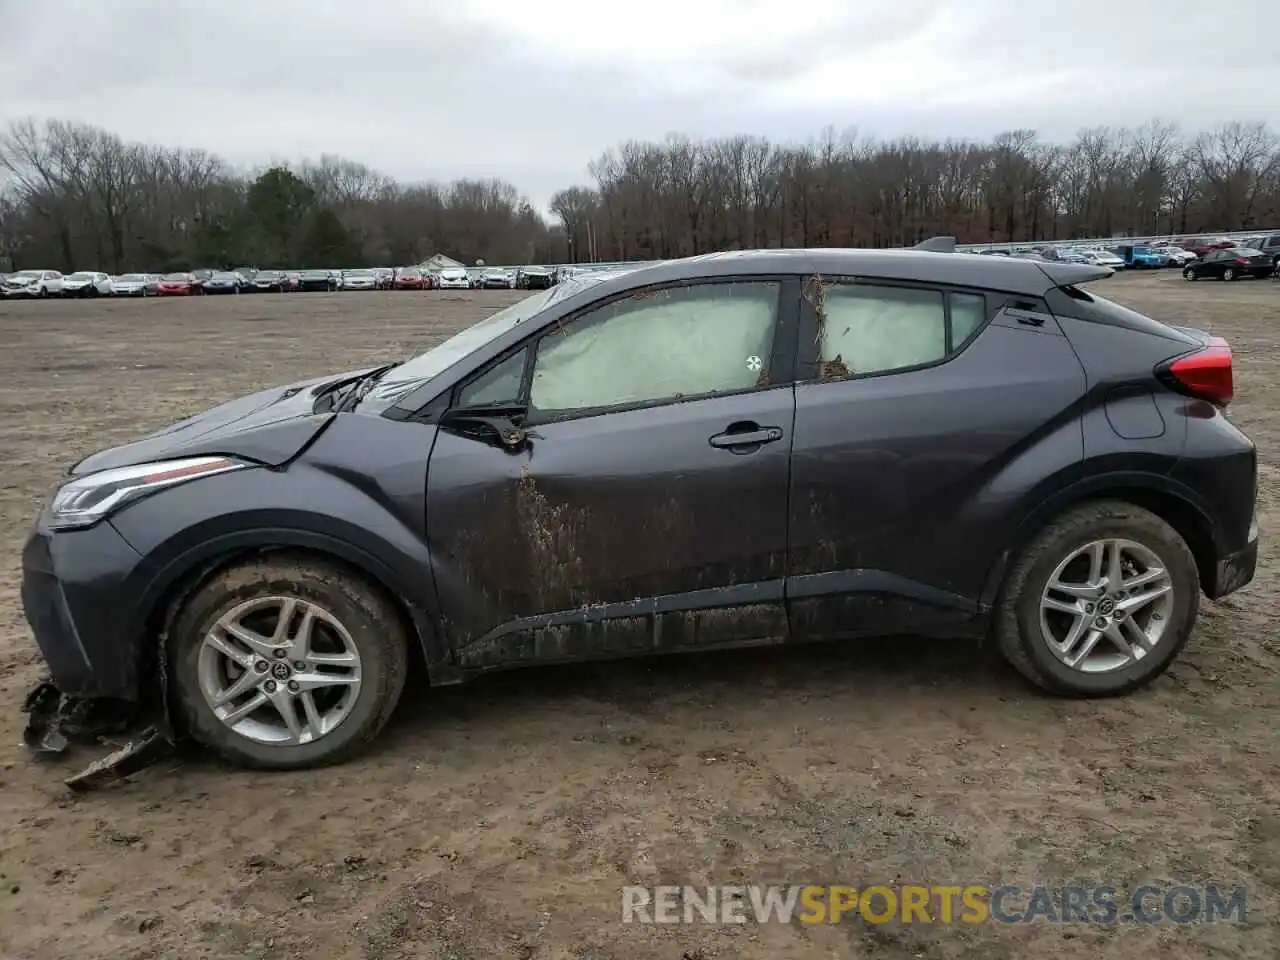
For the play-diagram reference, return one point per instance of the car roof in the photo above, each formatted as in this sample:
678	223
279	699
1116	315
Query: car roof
1009	274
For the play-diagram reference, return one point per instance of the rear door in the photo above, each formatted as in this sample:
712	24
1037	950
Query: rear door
923	414
648	508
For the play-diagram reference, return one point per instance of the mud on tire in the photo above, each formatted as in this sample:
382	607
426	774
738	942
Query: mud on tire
370	618
1017	619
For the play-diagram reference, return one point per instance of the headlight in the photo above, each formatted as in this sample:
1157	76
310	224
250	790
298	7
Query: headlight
84	501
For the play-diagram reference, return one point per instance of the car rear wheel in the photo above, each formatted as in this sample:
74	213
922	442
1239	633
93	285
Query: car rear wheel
1100	603
1228	274
285	663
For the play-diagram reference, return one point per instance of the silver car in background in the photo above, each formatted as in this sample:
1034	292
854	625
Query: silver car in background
133	285
359	280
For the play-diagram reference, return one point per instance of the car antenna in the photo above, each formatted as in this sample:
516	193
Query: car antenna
937	245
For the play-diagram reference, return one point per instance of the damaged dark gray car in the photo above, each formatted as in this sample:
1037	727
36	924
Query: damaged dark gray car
728	450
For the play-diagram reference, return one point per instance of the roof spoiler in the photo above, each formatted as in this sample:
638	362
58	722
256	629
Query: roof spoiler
937	245
1070	274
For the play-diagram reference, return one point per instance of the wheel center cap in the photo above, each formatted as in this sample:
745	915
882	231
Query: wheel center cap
1106	606
281	671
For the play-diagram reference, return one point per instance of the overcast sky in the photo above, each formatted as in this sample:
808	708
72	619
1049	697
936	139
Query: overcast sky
423	89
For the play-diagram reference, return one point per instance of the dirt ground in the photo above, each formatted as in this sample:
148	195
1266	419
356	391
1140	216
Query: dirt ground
502	819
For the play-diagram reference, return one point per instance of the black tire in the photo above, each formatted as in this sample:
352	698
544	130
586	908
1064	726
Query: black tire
1228	274
1017	617
368	615
1188	274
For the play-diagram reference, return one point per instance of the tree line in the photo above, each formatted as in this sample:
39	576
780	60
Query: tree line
74	196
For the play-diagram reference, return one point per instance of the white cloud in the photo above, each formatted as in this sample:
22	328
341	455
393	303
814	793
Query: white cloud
425	89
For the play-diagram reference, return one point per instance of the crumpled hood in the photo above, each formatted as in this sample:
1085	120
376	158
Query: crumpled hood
269	427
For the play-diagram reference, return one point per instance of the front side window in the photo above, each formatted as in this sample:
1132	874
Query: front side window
500	385
658	345
869	329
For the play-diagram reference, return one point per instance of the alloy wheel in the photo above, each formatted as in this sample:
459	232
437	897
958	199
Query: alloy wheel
1106	606
279	670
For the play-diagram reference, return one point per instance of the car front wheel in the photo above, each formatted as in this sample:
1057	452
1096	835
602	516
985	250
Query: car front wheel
286	662
1188	274
1100	603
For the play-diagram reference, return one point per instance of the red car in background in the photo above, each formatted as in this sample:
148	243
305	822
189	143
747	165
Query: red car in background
409	278
1201	247
176	285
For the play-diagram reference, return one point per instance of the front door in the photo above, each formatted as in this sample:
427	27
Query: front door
647	509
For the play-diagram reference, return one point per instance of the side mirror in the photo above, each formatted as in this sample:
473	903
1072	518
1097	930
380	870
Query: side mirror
500	425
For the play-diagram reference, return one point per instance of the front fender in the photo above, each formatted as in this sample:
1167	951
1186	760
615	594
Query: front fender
190	527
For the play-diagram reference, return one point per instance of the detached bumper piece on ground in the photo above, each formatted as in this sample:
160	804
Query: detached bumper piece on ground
56	722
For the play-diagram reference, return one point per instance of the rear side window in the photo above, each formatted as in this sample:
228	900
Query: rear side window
968	312
869	329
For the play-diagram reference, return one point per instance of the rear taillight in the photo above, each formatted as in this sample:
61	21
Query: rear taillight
1205	374
1243	261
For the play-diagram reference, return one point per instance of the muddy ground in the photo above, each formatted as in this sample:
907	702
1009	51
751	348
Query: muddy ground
502	819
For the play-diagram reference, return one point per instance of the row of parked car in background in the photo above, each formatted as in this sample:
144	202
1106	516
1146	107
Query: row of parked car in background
89	283
1220	258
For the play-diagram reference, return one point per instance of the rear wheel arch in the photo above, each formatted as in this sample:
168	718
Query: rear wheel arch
1152	492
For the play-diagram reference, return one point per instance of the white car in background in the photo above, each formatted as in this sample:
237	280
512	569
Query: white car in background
496	278
1102	258
86	283
453	278
33	283
1178	256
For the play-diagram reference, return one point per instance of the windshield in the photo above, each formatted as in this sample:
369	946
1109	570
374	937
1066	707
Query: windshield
230	277
132	278
81	276
402	380
1247	252
34	274
360	273
453	273
178	277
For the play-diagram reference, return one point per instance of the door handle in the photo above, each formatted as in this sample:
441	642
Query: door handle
746	438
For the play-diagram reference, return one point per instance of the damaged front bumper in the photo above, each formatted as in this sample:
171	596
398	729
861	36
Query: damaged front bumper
77	600
55	721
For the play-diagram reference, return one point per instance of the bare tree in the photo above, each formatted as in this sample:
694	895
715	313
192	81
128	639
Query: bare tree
80	196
